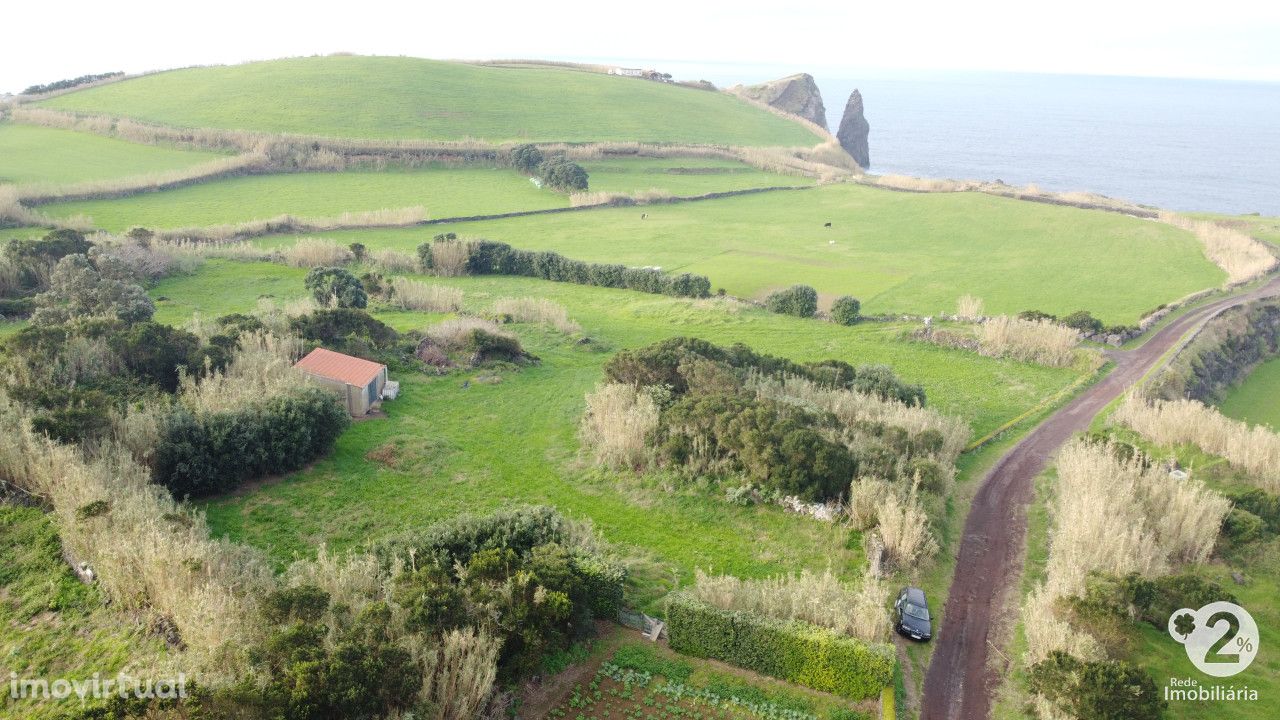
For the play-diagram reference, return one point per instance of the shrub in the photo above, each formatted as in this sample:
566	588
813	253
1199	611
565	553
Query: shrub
793	651
798	300
77	290
333	285
846	310
203	454
526	158
563	174
345	328
1097	689
1084	321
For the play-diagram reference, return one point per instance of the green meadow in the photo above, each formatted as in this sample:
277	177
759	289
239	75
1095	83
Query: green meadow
896	252
399	97
443	191
1257	399
30	154
460	443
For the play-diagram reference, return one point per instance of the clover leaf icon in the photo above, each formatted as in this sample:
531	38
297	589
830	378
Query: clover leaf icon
1185	624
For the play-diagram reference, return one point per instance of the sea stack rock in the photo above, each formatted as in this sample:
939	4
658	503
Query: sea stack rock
796	94
854	130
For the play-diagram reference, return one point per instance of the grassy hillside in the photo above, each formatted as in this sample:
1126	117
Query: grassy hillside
395	97
442	432
1257	399
445	192
897	252
44	155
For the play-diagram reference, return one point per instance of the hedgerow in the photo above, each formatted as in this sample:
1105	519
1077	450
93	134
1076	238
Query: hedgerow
488	257
794	651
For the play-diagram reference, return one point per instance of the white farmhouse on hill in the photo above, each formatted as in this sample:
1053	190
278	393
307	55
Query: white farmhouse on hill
626	72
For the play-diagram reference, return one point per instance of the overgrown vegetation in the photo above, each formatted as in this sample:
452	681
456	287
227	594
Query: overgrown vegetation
70	83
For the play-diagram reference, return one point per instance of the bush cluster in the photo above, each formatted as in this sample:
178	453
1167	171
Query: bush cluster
659	364
1150	600
1224	353
711	421
203	454
556	171
798	300
793	651
337	286
1097	689
1081	320
488	257
846	310
518	573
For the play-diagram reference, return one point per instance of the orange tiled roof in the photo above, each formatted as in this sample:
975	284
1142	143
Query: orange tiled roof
336	366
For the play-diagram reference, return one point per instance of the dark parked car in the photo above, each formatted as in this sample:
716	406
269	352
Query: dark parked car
911	614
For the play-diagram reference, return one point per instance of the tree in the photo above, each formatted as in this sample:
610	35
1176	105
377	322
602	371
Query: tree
798	300
563	174
77	289
330	284
526	158
1084	321
846	310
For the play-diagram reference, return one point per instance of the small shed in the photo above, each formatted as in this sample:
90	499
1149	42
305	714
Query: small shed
359	383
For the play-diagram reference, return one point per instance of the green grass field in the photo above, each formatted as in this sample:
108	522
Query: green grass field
485	446
444	192
897	252
398	97
1257	399
681	176
31	154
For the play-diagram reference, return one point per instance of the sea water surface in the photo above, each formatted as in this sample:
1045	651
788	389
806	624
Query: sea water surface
1192	145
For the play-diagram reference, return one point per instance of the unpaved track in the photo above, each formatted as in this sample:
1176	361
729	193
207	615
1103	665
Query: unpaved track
959	682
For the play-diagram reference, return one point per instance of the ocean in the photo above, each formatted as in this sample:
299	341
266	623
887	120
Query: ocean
1191	145
1179	144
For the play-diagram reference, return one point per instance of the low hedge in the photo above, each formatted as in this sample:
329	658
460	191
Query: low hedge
794	651
488	257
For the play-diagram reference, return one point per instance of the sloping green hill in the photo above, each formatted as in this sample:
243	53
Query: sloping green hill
395	97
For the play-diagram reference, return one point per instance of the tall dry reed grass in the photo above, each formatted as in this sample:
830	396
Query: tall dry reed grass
393	261
617	425
821	599
40	193
261	367
1239	255
969	307
414	295
1116	517
280	224
316	252
537	310
1255	450
1037	341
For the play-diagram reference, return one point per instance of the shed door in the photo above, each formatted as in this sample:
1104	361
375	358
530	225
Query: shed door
372	390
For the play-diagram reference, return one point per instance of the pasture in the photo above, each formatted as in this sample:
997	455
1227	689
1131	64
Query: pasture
456	443
443	191
1257	399
30	155
896	252
411	98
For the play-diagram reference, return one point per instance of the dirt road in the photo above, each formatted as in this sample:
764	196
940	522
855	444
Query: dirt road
959	682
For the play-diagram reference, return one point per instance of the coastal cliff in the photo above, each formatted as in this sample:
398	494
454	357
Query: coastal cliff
854	130
796	94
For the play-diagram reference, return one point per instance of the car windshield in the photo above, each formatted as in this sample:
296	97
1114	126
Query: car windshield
916	611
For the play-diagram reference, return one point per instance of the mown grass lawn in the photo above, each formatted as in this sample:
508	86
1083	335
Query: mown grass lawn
399	97
460	444
444	192
1257	399
897	252
30	154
